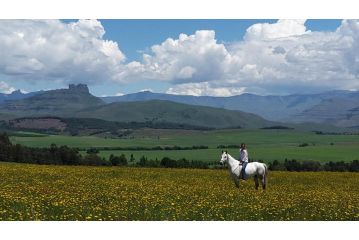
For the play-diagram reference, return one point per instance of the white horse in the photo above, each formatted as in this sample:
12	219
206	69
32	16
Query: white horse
253	169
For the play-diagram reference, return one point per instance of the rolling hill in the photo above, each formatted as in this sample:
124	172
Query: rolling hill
77	102
166	111
341	111
296	108
340	108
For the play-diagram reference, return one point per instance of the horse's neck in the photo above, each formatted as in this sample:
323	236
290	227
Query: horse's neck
232	162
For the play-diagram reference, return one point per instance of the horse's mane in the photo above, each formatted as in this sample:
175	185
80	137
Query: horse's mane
232	157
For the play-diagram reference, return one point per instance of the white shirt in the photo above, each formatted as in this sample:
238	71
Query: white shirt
243	155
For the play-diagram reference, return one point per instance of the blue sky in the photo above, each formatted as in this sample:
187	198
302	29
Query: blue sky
229	40
135	35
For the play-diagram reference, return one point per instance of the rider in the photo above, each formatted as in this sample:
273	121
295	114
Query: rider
243	159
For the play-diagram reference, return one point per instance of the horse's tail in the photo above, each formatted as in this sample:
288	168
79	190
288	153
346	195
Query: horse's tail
265	174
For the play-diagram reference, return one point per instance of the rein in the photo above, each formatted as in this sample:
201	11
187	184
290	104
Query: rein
236	167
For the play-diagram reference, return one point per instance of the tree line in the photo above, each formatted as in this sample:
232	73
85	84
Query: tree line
64	155
314	166
139	148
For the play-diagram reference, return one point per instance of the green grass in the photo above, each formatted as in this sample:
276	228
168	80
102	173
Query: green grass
27	134
53	193
266	145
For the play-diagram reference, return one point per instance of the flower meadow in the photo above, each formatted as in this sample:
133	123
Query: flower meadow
33	192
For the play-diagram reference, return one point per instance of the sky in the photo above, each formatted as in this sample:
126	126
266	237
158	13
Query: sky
192	57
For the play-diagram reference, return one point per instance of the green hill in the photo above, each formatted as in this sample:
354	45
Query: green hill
166	111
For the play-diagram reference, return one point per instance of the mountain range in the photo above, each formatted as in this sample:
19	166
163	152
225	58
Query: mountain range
339	108
77	102
16	95
59	102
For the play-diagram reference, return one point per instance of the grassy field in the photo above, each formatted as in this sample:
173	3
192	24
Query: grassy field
318	153
266	145
38	192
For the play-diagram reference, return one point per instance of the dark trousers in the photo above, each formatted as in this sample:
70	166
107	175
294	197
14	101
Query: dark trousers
243	173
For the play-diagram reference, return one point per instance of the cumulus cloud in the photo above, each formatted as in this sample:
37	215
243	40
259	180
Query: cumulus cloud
273	58
280	29
51	50
5	88
189	58
300	61
204	89
278	58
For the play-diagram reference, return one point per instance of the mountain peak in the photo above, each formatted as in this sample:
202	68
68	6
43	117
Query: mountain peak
79	88
16	92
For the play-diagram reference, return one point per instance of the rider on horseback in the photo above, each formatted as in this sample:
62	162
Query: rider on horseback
243	159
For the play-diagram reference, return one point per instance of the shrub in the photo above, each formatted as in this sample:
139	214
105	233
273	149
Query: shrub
168	163
92	151
94	160
311	166
276	166
292	165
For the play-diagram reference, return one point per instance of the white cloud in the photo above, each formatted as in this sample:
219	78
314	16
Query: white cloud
51	50
280	29
146	90
204	89
5	88
277	58
189	58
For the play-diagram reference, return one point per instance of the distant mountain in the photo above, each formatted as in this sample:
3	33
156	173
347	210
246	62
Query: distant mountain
165	111
291	108
77	102
340	108
16	95
60	102
342	111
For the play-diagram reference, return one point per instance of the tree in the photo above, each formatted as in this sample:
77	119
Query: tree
94	160
123	160
168	163
92	150
354	166
118	161
143	161
277	166
4	139
115	161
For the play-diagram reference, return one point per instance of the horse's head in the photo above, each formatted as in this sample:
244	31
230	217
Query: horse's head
224	158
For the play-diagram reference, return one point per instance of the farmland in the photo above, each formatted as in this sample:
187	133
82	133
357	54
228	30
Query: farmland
33	192
265	145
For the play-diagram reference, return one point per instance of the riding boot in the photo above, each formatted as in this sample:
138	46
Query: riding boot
244	177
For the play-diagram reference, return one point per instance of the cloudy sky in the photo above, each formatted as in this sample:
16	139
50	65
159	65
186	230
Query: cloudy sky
196	57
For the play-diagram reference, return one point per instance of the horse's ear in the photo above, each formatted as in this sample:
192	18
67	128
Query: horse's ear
226	151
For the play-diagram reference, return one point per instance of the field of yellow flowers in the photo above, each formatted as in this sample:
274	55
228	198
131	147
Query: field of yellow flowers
33	192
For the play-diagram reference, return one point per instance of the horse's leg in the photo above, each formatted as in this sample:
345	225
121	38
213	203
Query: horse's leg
264	181
236	181
256	181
